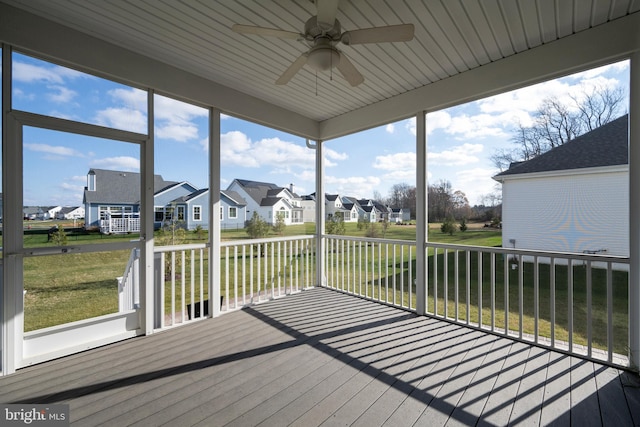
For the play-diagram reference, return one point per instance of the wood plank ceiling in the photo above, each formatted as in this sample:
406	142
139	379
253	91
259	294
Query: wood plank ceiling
451	37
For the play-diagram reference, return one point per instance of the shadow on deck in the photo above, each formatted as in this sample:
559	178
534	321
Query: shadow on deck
324	357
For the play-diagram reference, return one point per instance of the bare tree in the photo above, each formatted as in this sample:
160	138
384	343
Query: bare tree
556	123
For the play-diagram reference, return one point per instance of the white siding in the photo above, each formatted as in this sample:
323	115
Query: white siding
569	213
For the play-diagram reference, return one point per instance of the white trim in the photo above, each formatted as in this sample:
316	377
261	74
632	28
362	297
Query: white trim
193	213
564	172
229	216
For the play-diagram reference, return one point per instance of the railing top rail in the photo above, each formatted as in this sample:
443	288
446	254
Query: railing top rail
498	250
171	248
533	252
266	240
370	239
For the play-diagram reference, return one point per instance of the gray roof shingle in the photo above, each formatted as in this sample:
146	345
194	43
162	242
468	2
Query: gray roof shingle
604	146
120	187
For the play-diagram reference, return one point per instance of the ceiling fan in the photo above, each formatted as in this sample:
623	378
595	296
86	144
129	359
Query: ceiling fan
322	33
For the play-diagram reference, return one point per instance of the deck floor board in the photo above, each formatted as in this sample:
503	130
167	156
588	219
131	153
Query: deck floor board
321	357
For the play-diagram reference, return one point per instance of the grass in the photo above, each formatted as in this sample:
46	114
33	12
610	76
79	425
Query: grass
64	288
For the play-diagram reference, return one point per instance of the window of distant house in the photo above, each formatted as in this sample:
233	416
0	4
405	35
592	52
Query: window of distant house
221	213
353	215
158	214
180	211
168	214
197	213
233	212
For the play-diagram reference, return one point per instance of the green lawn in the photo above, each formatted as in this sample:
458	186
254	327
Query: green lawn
64	288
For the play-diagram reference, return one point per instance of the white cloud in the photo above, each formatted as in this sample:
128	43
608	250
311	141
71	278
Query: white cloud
390	128
122	163
177	132
132	98
56	150
28	73
238	150
475	183
61	95
397	161
123	118
436	120
456	156
358	186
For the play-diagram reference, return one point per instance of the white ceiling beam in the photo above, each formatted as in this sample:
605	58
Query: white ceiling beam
603	44
49	40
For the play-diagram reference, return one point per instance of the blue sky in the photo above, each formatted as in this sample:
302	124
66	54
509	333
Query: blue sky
460	139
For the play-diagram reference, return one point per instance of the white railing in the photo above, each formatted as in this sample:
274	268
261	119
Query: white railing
576	303
251	271
378	269
262	269
120	225
181	290
128	288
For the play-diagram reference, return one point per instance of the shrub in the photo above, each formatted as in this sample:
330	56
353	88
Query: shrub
463	225
59	237
279	226
257	227
335	226
448	226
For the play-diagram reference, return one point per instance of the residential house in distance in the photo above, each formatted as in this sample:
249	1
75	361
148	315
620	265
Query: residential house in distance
193	210
70	212
573	198
269	200
32	213
112	203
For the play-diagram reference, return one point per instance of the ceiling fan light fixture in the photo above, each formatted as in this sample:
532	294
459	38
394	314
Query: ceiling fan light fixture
323	58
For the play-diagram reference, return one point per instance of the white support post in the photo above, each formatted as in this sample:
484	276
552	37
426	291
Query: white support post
422	226
214	212
320	216
146	284
12	294
634	211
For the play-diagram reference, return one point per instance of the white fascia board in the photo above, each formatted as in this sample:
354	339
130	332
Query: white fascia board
564	172
46	39
606	43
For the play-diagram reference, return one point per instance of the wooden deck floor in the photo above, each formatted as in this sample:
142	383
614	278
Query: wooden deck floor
324	358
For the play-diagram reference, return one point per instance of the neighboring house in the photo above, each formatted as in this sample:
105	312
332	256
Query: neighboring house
269	200
70	212
396	215
371	213
114	195
50	212
573	198
308	205
193	210
33	213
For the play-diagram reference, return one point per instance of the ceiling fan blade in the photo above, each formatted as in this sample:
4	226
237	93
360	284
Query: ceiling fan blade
270	32
292	70
327	10
349	71
390	33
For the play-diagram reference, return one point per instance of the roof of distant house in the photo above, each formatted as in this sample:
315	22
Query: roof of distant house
120	187
263	193
604	146
235	196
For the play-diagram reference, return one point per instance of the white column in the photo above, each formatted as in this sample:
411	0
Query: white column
422	225
320	216
12	289
147	288
214	212
634	211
